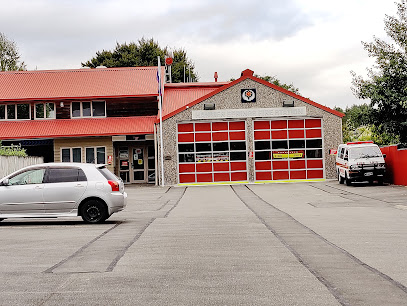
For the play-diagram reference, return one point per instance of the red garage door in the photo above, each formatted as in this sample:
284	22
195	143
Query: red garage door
288	149
212	152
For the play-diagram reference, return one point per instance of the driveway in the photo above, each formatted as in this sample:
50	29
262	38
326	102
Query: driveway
274	244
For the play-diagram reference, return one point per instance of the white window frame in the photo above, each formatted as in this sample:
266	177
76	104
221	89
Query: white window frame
15	110
91	109
70	153
44	105
95	154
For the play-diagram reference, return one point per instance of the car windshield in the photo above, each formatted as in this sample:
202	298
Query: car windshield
365	152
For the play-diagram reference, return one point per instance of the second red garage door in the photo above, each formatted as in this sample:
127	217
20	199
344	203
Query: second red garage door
288	149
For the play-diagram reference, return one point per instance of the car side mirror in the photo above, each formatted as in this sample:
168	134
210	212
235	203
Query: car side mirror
384	155
5	182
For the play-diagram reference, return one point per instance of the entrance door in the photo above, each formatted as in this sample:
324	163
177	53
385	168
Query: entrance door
132	164
138	169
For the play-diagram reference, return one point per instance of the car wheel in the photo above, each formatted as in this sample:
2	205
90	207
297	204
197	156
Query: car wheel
347	180
380	181
94	211
340	178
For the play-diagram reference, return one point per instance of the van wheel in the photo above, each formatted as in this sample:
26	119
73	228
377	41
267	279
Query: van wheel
347	180
340	178
94	211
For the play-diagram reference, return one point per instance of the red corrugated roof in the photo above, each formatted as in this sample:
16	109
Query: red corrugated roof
182	104
178	95
76	127
79	83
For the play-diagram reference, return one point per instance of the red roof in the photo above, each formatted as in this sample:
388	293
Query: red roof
178	95
79	83
173	100
29	129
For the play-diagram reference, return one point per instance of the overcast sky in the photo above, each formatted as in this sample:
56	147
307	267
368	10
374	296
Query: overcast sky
313	44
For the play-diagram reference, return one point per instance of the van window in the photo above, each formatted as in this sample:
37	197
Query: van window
61	175
346	154
365	152
342	151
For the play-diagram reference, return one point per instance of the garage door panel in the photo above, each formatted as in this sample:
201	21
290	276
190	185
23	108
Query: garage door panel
212	152
186	178
222	177
295	150
204	177
263	176
238	176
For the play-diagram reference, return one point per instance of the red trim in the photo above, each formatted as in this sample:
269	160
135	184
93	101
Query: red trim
247	74
80	98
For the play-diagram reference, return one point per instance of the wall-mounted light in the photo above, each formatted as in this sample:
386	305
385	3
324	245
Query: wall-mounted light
61	104
288	103
209	106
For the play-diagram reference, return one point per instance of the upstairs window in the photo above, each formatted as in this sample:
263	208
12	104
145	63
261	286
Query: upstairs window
45	111
88	109
15	111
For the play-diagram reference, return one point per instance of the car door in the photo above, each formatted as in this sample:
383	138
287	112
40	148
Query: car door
63	189
24	194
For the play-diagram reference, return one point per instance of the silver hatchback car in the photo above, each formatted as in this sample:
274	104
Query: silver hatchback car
62	190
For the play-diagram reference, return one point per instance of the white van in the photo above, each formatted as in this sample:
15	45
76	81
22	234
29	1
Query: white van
360	161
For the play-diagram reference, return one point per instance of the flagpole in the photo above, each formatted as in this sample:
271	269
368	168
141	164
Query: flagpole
161	120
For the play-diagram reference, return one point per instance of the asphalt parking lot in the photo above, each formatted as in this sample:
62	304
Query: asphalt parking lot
275	244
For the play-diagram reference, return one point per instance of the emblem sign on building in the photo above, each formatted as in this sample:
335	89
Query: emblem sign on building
248	95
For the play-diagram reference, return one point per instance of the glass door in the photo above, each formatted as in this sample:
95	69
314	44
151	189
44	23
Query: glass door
124	161
139	169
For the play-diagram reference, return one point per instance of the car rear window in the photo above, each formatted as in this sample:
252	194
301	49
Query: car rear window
61	175
107	174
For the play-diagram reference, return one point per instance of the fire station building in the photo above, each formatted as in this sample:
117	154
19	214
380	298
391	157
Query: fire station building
244	131
247	130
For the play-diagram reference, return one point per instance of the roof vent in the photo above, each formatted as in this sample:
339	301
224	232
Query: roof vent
247	72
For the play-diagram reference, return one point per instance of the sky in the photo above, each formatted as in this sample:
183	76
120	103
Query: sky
313	44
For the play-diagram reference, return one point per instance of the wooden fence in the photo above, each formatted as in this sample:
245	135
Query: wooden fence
9	164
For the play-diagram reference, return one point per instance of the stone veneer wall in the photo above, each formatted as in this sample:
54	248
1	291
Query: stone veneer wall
266	98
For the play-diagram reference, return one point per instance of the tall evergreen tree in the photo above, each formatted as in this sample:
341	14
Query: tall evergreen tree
9	56
386	85
144	53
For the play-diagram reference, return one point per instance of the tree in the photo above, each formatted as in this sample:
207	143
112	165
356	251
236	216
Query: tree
357	125
386	86
9	56
143	53
12	151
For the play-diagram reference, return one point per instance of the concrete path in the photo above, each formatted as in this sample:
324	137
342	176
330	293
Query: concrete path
276	244
212	250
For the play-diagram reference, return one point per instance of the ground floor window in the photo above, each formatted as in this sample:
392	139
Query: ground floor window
95	155
71	155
